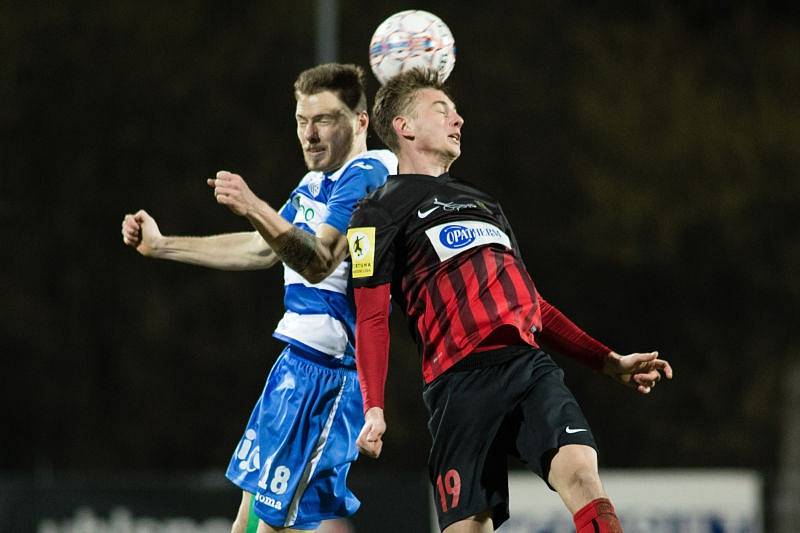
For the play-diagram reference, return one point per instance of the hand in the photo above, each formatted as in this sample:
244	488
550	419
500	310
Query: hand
232	191
638	370
369	440
140	231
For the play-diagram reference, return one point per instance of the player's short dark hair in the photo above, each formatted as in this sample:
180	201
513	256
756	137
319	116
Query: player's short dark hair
397	98
345	81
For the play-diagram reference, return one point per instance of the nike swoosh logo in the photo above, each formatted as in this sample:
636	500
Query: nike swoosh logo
423	214
571	431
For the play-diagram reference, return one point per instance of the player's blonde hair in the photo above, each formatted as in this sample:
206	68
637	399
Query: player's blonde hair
396	98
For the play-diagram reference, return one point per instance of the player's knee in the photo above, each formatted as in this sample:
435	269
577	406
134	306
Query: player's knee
574	467
238	526
583	478
477	523
242	514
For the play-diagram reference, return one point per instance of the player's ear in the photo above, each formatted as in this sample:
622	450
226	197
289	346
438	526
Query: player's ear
362	122
403	127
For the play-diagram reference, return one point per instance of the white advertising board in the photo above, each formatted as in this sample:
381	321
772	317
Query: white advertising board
648	501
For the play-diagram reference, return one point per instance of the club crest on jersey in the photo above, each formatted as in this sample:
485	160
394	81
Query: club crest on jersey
314	186
361	242
451	239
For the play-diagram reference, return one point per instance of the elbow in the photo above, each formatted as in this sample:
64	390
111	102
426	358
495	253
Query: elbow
314	277
317	272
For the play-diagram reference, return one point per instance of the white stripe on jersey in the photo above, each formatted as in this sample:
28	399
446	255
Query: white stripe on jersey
386	157
321	332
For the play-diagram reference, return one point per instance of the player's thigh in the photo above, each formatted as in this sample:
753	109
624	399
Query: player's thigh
549	418
466	410
467	460
309	453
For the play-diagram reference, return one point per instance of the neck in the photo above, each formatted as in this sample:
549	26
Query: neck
426	164
359	147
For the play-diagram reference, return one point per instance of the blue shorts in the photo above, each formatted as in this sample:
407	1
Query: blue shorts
297	447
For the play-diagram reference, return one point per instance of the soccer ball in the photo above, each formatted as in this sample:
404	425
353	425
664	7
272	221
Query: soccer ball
411	39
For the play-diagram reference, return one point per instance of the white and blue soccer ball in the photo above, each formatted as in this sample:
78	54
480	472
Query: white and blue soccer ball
411	39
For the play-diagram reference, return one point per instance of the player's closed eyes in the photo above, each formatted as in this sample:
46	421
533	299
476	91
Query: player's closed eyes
323	120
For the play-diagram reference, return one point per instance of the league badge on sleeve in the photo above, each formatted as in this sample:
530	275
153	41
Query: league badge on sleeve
362	251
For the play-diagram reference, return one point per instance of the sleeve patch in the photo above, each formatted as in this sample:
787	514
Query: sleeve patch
362	251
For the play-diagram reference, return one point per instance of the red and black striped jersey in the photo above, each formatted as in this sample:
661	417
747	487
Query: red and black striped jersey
453	264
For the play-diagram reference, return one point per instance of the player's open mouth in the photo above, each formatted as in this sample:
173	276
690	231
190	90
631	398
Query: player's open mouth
456	137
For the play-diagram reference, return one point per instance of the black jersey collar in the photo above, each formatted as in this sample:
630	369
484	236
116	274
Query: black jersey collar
440	177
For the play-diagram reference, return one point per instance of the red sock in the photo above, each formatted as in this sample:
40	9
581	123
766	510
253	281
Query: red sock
597	516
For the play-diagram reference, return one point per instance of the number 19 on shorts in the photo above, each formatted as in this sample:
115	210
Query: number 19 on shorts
449	487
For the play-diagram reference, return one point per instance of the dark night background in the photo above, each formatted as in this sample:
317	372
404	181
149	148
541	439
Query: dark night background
648	157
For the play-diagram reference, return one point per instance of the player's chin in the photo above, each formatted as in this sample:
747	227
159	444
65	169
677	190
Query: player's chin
318	161
453	151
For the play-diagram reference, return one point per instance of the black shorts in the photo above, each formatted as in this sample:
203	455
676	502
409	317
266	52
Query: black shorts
480	414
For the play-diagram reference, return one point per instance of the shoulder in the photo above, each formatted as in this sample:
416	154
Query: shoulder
471	189
407	186
384	158
378	162
398	197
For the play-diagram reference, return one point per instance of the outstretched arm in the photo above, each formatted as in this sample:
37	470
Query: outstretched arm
312	256
638	370
230	251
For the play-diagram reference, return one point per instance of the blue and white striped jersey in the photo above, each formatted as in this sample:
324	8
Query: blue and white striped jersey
320	317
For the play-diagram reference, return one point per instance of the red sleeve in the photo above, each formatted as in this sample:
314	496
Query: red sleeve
565	337
372	342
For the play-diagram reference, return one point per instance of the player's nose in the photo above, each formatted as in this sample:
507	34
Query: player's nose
310	132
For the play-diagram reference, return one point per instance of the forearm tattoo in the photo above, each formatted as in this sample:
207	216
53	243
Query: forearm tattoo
296	248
